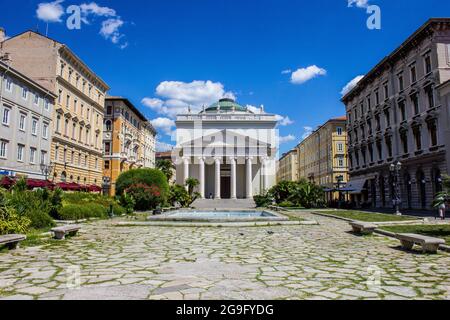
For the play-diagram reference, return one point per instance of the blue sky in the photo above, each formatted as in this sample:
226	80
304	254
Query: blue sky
166	54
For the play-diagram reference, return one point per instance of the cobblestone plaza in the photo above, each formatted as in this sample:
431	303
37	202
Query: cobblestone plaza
295	262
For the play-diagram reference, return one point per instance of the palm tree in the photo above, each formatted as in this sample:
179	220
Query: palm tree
191	184
444	196
166	166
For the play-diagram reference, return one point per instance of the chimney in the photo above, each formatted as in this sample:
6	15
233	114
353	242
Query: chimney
2	34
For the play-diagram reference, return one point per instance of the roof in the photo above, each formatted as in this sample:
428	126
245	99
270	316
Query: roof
129	105
68	50
226	105
397	53
24	78
284	155
341	119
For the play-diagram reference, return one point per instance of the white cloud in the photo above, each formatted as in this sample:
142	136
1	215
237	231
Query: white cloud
349	86
163	147
94	9
303	75
358	3
284	121
286	139
307	132
110	29
177	96
163	124
50	11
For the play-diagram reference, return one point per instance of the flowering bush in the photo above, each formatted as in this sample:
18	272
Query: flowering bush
146	197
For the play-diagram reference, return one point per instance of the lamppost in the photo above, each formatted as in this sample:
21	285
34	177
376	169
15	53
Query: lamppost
47	169
395	170
339	180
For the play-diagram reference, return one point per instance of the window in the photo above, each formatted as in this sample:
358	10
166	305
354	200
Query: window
60	96
340	147
3	149
371	152
32	155
377	97
427	64
43	157
339	131
413	74
387	115
389	146
36	99
87	136
415	101
340	162
74	130
362	109
107	148
57	153
47	105
61	73
109	110
378	122
81	134
24	93
66	128
108	125
85	161
88	115
45	131
68	102
96	163
369	103
75	102
34	127
432	127
386	91
9	85
79	159
20	149
65	156
72	157
58	124
418	138
404	140
430	96
107	164
401	106
6	114
400	82
380	150
22	120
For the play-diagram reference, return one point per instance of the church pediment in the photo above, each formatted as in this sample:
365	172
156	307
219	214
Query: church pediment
225	138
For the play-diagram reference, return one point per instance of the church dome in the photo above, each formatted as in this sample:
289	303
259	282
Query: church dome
226	105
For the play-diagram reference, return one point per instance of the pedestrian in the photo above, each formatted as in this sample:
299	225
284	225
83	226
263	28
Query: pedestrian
442	209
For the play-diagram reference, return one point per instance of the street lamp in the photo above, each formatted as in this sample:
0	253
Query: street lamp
47	169
395	170
339	180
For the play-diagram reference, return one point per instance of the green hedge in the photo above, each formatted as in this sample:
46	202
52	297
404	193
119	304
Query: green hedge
85	211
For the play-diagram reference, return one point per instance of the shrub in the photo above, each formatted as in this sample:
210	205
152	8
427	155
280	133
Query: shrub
85	211
282	191
286	204
179	194
127	202
146	197
10	221
263	200
150	177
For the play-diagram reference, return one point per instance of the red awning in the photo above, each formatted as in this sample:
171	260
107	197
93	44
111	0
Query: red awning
94	188
34	183
7	182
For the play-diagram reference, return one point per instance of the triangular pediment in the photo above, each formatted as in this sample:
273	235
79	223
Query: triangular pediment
224	138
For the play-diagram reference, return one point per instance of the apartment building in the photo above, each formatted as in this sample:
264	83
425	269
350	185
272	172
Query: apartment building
25	128
322	157
77	149
288	167
396	114
129	141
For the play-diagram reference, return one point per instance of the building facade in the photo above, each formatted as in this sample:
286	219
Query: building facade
129	141
25	128
395	113
322	156
287	169
77	149
229	149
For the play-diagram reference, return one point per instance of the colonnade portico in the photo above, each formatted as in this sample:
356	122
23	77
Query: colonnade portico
230	164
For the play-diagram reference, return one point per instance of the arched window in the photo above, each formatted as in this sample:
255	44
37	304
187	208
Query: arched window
421	186
64	176
108	125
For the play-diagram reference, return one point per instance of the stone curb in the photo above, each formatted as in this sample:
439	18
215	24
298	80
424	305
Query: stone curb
382	224
215	225
442	247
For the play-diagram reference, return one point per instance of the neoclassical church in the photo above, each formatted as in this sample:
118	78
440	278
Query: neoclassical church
228	148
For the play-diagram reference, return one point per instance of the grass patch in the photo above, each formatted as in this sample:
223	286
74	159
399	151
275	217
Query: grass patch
368	216
436	231
35	239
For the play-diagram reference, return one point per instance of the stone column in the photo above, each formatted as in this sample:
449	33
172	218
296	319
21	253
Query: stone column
186	170
217	161
265	174
249	178
202	177
233	178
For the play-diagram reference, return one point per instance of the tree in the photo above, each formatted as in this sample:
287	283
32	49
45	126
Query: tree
166	166
444	196
179	194
191	184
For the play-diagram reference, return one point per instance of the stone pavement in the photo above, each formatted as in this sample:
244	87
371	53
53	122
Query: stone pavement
296	262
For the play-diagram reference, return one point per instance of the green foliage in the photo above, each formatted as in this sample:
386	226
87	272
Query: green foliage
82	211
179	195
139	181
444	196
191	184
166	167
293	194
10	221
146	197
263	200
127	202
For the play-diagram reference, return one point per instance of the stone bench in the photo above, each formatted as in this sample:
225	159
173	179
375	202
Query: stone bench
61	232
360	227
429	244
11	240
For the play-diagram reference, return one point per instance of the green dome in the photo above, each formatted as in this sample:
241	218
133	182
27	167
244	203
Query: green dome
226	105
